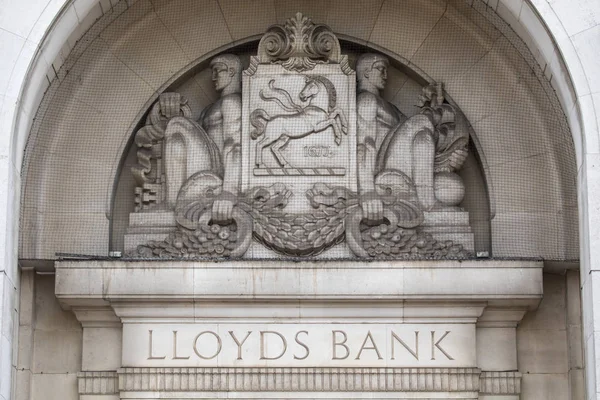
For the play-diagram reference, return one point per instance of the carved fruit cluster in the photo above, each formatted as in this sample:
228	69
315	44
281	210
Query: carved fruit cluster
391	241
206	241
306	234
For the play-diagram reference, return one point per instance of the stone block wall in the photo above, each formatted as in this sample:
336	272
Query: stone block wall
50	343
549	343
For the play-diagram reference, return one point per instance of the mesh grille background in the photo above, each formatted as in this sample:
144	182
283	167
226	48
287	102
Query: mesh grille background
520	175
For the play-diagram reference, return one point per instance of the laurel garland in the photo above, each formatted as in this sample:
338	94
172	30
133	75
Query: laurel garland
389	241
306	234
208	241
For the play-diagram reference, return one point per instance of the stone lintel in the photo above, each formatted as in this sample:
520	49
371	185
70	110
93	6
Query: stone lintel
503	284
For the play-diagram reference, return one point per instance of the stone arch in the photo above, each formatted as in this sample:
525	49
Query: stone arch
32	69
123	63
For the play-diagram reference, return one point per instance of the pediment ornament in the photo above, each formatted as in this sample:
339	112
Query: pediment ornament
299	45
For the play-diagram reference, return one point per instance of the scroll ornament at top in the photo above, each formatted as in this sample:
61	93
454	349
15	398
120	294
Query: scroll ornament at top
299	45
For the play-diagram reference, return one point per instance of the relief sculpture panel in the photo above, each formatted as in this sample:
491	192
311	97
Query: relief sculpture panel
301	154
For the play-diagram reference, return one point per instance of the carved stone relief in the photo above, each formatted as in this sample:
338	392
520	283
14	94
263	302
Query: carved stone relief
301	153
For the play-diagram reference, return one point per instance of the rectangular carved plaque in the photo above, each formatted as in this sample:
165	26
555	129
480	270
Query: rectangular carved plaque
299	345
300	125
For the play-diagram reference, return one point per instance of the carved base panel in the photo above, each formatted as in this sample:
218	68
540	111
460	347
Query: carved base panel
145	226
405	383
346	383
156	226
297	396
299	171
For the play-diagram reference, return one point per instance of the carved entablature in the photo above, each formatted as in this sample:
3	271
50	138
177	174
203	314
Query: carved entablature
301	155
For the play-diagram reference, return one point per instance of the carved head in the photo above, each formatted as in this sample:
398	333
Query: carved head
226	72
311	89
371	71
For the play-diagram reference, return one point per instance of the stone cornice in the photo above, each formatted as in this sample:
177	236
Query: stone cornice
517	284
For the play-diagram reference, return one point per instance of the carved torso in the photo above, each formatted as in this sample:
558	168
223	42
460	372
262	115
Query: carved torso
211	119
376	110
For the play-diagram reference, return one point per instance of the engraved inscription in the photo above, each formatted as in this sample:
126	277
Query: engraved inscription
335	343
219	345
436	344
292	344
151	355
415	352
318	151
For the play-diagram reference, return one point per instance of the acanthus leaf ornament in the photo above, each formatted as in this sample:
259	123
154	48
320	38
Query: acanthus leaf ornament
299	45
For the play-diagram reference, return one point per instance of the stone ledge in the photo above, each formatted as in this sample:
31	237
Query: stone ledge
300	379
517	283
500	383
98	383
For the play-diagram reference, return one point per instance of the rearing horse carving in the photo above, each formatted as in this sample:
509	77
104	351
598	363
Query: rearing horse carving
320	113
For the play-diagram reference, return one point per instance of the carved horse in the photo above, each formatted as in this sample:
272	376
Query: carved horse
320	113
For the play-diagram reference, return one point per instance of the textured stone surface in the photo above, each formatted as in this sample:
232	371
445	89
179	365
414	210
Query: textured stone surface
305	379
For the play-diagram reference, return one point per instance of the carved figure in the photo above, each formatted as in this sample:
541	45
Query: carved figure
418	147
320	113
211	145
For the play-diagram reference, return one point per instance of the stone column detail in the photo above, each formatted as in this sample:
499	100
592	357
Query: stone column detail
493	384
98	384
102	336
497	353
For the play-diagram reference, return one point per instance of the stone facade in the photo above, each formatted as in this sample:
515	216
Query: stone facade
531	198
194	330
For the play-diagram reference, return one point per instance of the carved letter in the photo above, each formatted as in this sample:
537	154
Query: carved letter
150	356
219	345
335	343
175	357
303	345
262	345
239	344
435	344
373	347
415	353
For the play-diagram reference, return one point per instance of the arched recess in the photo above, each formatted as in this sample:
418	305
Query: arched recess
120	66
404	86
